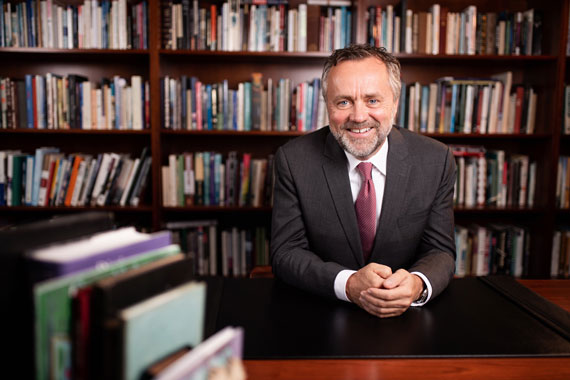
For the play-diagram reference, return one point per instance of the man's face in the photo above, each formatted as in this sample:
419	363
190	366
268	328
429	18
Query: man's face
361	105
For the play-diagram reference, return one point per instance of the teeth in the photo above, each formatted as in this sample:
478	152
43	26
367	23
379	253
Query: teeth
363	130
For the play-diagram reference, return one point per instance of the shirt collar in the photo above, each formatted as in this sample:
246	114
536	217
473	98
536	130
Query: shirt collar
378	160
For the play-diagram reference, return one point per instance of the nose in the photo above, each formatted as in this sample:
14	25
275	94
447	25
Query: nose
359	113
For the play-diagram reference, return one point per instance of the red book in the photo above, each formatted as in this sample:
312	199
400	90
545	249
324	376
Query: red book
213	18
34	99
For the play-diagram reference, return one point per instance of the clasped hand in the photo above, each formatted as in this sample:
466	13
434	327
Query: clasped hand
383	293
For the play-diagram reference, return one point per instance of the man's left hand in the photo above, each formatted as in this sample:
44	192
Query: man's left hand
394	296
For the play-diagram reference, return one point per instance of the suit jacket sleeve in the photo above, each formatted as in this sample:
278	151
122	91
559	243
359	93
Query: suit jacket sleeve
291	257
436	251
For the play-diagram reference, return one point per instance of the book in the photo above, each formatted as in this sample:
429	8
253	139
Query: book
87	253
112	294
215	351
52	307
161	325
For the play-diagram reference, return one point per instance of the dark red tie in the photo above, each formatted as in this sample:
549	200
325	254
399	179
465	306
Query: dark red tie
366	209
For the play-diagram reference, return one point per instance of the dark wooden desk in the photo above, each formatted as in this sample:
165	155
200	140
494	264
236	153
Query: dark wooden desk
557	291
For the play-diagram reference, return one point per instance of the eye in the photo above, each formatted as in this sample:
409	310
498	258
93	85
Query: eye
373	101
342	103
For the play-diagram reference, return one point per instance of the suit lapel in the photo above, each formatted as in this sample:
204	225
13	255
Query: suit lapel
336	174
397	170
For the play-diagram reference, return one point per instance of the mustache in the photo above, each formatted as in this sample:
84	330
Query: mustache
366	124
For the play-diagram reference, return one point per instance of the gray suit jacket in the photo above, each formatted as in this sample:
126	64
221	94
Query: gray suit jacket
314	229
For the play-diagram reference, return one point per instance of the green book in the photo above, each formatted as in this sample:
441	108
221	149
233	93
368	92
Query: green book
159	326
53	308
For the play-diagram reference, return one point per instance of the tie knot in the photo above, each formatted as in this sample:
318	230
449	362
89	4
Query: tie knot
365	169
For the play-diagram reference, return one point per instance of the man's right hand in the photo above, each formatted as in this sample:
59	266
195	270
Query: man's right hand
370	276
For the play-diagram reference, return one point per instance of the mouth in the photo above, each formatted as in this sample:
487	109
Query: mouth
359	131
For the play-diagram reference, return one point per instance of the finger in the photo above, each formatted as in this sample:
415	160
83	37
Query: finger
383	312
373	299
396	279
383	271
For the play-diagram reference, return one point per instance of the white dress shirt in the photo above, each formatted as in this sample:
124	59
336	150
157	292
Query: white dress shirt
379	178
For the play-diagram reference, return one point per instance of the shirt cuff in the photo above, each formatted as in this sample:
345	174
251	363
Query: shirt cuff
340	284
428	285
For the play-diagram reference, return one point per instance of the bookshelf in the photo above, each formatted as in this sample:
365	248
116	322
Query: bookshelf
547	72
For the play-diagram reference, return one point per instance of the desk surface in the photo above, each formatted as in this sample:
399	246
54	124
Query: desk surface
557	291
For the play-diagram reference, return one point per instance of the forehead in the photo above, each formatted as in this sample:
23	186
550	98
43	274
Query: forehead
368	74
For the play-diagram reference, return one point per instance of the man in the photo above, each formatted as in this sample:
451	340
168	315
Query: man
379	234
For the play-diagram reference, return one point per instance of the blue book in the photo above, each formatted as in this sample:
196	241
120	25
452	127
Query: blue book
213	190
348	27
209	106
3	38
160	325
225	105
343	27
315	108
206	160
235	113
453	107
402	106
247	106
30	100
309	108
218	177
30	10
118	94
424	109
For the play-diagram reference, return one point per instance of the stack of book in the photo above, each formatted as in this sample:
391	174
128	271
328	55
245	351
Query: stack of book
50	178
72	102
231	252
475	105
493	249
438	30
206	179
189	104
92	24
112	303
560	258
489	177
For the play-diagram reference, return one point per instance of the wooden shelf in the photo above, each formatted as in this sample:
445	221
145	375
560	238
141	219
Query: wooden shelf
245	54
32	209
497	210
490	136
481	58
218	209
39	51
75	131
232	133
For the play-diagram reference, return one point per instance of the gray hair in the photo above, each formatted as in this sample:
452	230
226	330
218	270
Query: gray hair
355	52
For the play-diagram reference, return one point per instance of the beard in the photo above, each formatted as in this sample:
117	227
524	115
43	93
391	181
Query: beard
362	148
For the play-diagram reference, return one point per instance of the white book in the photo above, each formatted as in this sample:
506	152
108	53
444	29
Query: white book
240	106
29	177
86	106
213	352
80	179
251	45
481	180
137	105
409	21
485	109
493	122
506	79
502	199
104	169
449	37
471	28
390	28
397	26
435	14
523	176
130	182
302	28
482	257
337	28
470	182
122	24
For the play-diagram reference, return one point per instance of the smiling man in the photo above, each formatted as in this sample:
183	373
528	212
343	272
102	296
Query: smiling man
363	209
